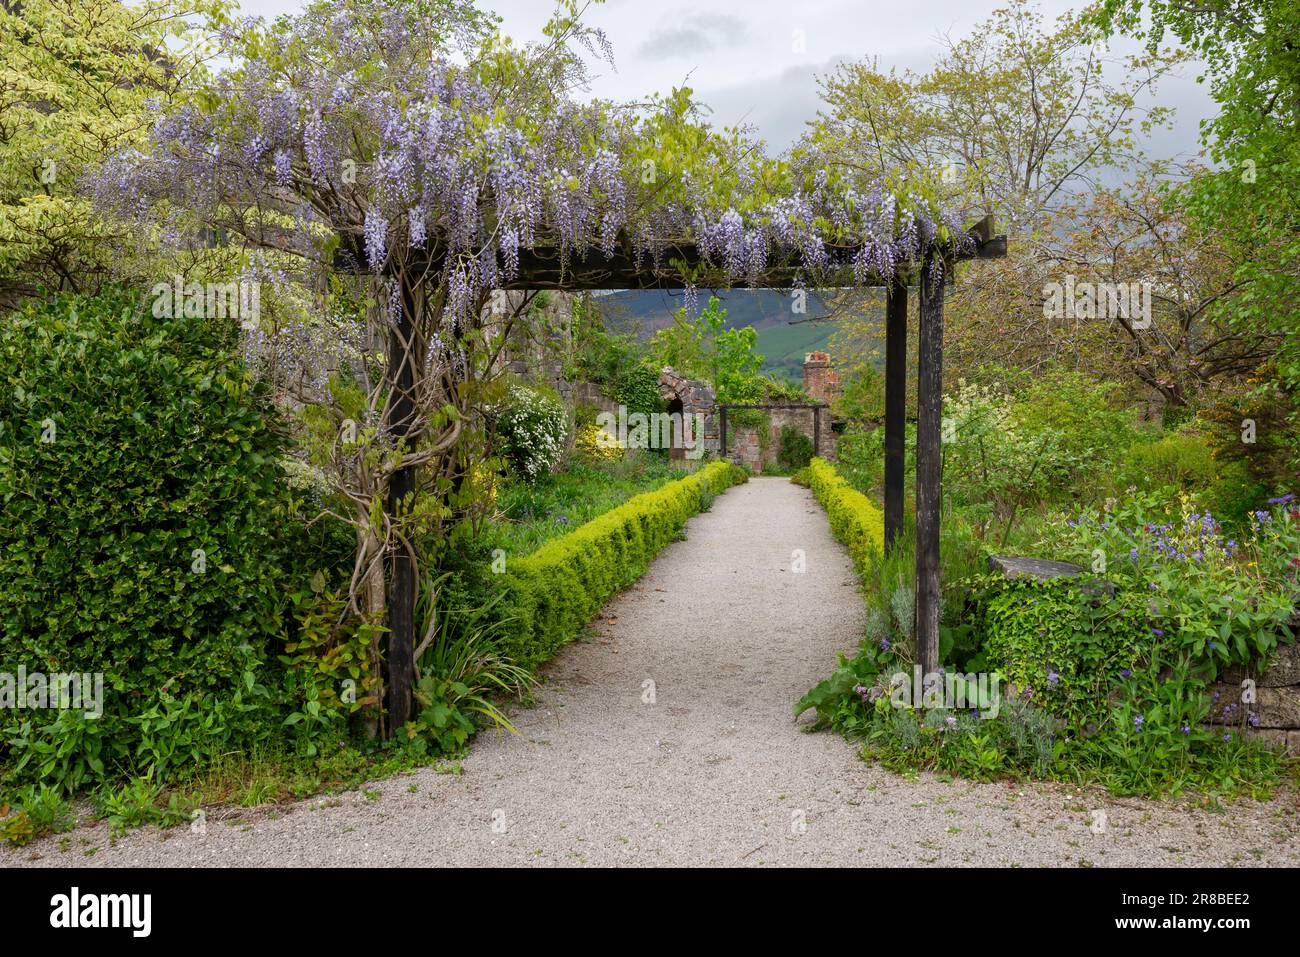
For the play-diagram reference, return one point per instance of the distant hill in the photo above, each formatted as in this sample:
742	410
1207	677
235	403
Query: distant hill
783	338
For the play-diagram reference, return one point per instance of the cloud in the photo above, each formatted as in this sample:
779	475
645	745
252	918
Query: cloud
693	34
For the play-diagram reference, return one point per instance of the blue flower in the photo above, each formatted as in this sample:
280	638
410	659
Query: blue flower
1157	632
1137	723
1185	729
884	644
1282	500
1126	673
1053	678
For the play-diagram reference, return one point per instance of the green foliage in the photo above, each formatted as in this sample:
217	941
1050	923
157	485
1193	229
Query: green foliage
1249	198
855	520
1063	642
461	677
1181	460
795	450
42	809
529	515
329	673
149	535
554	591
1052	441
637	388
704	348
1218	600
77	78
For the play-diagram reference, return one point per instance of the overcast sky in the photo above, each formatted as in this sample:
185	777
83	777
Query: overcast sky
743	60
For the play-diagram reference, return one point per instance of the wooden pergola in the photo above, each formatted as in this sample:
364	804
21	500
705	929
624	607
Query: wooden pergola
623	272
682	265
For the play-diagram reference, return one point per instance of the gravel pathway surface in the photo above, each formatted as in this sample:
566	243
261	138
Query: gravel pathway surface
710	768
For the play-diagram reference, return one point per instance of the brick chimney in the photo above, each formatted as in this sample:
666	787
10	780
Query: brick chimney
819	380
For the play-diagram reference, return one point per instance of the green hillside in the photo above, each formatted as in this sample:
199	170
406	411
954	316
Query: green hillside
781	342
783	347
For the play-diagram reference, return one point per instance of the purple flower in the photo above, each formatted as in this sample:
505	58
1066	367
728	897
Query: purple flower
1053	678
1186	729
1227	737
1157	632
1137	723
1282	500
884	644
1253	720
1126	673
950	721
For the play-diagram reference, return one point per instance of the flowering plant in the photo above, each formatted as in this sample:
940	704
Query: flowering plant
531	427
1226	601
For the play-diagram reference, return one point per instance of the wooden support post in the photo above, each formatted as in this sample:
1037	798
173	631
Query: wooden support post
929	414
817	430
722	430
401	492
895	408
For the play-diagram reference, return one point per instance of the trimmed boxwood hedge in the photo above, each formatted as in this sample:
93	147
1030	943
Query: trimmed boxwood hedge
855	519
555	591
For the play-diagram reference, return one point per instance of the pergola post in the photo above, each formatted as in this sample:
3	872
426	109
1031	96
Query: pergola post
895	407
401	492
929	413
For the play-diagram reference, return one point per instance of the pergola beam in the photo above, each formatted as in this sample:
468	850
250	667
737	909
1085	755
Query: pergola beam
682	264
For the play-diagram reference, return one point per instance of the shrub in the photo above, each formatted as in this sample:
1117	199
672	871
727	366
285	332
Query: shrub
1063	642
1182	459
145	536
637	387
593	444
554	591
531	425
795	450
854	519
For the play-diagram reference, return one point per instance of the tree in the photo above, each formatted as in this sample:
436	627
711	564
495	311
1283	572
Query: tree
1016	117
1249	200
1132	239
79	80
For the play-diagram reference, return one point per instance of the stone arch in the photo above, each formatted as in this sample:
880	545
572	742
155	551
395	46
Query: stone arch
689	397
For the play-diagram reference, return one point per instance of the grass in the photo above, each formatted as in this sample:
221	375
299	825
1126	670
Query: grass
528	516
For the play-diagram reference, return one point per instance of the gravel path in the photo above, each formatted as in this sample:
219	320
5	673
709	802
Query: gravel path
714	771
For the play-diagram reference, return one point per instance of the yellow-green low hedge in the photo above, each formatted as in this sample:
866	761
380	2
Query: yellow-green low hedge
855	519
556	590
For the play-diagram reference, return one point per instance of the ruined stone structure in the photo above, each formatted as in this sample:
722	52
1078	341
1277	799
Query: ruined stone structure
689	397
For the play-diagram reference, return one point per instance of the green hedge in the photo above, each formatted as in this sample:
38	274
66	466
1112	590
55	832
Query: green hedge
144	536
855	520
555	591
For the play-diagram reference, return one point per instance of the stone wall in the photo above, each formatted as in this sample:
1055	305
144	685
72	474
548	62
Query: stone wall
1274	712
